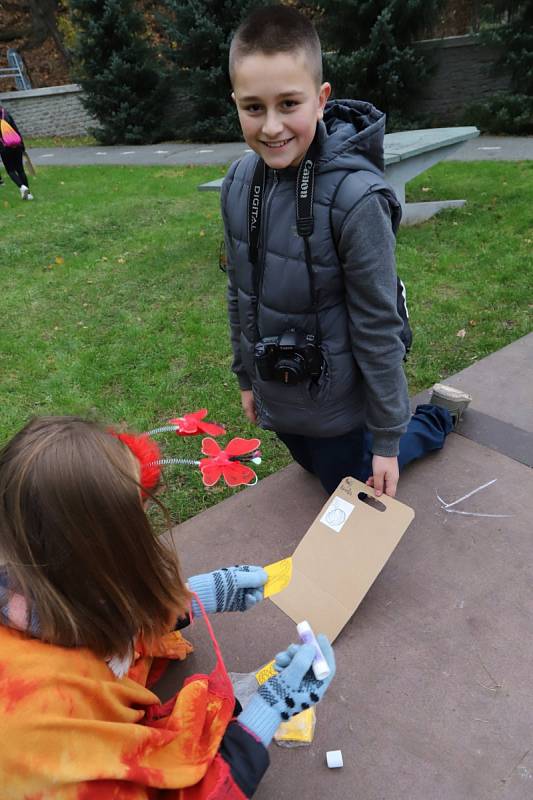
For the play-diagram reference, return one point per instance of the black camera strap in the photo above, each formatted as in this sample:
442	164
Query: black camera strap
305	183
305	186
255	207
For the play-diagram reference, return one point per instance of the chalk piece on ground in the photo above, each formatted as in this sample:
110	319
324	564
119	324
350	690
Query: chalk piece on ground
334	758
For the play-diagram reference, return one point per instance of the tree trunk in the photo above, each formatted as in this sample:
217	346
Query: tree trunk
44	25
14	5
9	34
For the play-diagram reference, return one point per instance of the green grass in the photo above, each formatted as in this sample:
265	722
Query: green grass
468	270
112	303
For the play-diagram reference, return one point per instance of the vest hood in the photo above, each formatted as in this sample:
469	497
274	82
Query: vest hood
351	136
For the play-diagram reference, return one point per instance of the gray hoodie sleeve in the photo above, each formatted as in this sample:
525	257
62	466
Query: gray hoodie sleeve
233	307
366	250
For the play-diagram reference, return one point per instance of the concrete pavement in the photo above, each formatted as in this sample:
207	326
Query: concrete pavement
432	697
485	148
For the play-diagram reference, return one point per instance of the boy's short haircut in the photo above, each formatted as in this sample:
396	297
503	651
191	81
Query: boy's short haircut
276	29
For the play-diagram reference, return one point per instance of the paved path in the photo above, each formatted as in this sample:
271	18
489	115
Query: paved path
485	148
433	692
164	154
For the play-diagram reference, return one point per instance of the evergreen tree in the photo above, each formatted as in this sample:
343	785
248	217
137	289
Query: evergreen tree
124	83
368	49
198	35
515	35
508	23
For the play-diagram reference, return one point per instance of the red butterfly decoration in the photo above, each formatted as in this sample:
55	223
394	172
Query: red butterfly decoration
147	454
224	462
191	424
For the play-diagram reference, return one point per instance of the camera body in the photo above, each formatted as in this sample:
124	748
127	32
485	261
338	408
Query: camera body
291	357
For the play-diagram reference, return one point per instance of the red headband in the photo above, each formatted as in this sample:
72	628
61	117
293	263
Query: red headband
219	463
147	453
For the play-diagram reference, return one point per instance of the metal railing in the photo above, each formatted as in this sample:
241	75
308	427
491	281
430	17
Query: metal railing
15	70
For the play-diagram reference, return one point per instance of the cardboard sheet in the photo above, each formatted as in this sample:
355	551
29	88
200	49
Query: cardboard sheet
341	555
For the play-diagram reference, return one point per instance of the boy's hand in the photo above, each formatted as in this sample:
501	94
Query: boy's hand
248	405
385	474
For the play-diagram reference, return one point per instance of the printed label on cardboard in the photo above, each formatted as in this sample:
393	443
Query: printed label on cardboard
337	513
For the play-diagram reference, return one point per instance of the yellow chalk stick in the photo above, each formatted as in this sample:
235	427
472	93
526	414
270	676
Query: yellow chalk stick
279	576
265	672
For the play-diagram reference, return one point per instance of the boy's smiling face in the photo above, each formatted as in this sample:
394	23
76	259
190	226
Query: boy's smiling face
279	104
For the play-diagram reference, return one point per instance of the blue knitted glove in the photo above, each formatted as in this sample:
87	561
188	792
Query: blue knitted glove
292	690
229	589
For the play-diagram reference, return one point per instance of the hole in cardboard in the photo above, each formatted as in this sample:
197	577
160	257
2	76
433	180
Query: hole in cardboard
377	505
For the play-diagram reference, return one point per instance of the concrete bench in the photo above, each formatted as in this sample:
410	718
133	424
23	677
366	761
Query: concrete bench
408	154
432	696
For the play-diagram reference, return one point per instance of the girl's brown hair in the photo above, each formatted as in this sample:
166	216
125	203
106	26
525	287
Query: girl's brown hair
76	542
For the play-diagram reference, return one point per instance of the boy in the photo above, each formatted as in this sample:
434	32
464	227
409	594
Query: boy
312	286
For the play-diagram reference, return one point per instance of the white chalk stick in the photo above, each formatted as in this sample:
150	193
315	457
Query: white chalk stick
334	758
320	666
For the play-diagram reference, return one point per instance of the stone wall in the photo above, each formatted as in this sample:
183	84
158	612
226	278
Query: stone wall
463	74
55	111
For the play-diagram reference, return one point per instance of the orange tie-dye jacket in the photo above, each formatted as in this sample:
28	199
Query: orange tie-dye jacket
71	730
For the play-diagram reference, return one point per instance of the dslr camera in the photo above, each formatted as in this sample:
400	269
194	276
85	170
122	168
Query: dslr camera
289	358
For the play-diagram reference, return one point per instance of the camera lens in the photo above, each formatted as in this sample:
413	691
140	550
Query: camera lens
290	370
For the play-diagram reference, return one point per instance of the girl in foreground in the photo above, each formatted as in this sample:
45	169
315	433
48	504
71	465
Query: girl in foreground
91	604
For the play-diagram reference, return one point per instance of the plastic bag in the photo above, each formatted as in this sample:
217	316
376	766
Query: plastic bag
244	685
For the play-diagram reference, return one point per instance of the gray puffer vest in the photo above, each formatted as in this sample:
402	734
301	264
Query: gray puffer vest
350	165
